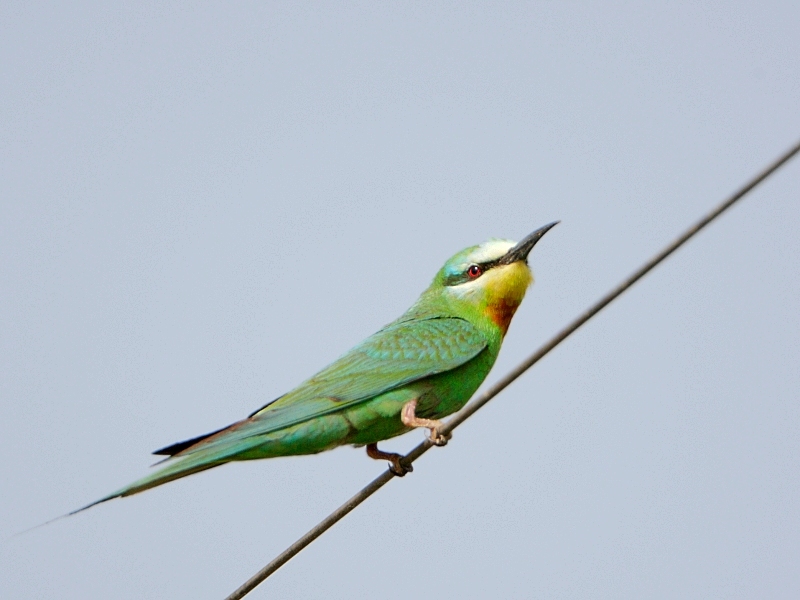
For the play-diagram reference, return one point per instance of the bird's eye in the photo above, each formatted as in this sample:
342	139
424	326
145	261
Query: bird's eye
474	271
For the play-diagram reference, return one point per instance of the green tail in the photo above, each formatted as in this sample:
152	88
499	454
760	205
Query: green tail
178	465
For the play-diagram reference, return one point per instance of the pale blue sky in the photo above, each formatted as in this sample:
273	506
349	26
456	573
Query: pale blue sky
203	206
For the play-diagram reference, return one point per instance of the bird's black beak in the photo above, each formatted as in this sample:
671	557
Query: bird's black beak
521	250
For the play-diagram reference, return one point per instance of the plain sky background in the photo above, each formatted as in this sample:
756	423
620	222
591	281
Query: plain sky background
203	205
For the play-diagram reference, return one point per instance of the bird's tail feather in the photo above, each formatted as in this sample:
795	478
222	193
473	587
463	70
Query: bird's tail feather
179	465
174	468
171	472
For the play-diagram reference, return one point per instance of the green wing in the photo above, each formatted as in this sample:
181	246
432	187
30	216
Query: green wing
398	354
394	356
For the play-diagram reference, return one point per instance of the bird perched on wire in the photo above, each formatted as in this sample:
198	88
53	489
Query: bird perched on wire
416	370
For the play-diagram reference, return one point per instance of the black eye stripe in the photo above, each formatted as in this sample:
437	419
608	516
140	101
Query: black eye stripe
463	277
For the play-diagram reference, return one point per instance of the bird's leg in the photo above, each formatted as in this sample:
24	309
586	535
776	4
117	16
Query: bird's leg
396	467
410	419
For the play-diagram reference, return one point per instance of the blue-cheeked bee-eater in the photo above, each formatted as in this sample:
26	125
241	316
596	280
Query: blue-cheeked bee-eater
413	372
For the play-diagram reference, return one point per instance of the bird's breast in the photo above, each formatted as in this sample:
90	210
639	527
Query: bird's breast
501	312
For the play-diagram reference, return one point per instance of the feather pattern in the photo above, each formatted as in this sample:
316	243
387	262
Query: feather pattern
396	355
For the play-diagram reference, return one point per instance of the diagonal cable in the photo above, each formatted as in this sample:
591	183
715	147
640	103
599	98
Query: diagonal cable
498	387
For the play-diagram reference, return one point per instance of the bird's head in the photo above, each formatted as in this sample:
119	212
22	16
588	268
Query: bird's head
491	278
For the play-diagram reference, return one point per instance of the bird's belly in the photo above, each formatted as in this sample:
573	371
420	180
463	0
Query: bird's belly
437	397
448	392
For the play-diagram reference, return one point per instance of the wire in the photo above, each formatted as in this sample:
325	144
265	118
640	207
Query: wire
498	387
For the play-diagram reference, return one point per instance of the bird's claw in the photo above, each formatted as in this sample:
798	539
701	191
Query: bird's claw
396	464
438	438
397	467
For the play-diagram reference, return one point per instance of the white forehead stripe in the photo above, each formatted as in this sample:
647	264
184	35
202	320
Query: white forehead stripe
491	250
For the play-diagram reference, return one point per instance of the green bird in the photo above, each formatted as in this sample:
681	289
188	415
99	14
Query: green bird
416	370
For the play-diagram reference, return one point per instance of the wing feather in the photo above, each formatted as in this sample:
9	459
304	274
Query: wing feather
398	354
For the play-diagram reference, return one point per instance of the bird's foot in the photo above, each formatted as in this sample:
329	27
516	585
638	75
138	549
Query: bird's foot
396	464
438	438
399	468
410	419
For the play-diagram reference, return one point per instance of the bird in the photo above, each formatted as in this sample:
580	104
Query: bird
411	373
